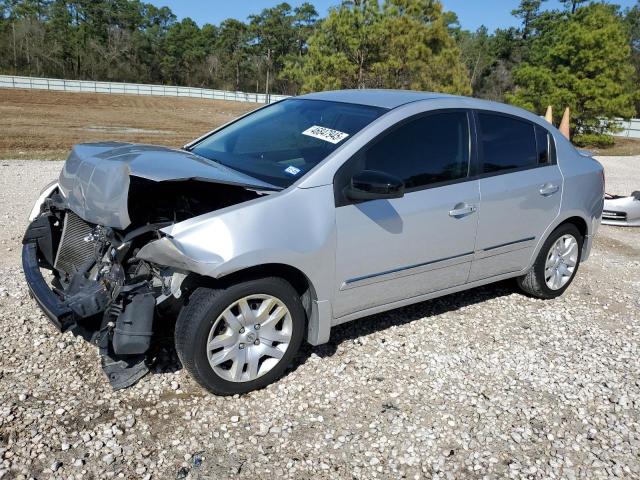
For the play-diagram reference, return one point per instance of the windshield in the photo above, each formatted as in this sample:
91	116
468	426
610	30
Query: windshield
280	143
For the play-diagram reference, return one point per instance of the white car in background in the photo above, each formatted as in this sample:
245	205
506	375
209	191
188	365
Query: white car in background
622	211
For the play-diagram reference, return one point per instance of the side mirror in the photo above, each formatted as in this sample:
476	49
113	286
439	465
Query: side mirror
374	185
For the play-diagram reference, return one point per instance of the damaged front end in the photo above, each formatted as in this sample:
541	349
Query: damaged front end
86	235
98	288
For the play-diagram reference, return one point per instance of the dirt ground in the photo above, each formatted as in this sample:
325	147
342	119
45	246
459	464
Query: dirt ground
623	147
44	125
38	124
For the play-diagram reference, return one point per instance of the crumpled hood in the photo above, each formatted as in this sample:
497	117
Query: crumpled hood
95	178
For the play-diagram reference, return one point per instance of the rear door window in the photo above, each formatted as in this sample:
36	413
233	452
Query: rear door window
507	143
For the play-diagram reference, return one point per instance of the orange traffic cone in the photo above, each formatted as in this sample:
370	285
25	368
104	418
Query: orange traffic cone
564	124
549	115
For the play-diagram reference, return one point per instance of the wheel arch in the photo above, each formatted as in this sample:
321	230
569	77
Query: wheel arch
579	222
573	218
296	277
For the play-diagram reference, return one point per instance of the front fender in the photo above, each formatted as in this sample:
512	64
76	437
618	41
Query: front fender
170	252
294	227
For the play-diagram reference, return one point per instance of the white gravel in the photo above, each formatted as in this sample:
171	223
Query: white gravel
482	384
622	174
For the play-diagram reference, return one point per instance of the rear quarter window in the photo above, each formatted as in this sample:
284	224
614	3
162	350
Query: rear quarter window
546	146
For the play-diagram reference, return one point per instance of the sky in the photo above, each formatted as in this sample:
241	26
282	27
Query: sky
472	13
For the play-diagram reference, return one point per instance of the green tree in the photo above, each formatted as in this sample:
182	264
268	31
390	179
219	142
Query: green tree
399	44
584	62
343	49
273	38
632	20
419	52
528	11
61	35
304	22
573	5
233	47
477	51
491	57
149	42
26	34
452	22
184	48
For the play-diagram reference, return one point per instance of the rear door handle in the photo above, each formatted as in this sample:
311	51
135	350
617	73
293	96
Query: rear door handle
461	210
548	189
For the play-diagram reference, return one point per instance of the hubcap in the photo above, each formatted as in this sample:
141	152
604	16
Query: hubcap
561	262
249	338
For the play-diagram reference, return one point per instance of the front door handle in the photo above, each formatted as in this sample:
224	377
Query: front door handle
548	189
461	210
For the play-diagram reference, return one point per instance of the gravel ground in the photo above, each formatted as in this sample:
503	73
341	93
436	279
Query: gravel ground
481	384
622	174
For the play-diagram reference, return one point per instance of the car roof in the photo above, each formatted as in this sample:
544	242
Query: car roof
391	99
376	98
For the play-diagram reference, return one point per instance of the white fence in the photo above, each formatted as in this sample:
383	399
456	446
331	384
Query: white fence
10	81
630	129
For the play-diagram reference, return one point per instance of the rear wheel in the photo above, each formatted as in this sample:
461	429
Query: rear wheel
556	264
240	338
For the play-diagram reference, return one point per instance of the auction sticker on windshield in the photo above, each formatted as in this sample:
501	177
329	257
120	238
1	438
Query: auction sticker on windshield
326	134
291	170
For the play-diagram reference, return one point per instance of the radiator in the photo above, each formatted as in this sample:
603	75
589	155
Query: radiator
76	245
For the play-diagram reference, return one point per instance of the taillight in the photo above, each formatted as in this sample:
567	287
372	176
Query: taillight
603	181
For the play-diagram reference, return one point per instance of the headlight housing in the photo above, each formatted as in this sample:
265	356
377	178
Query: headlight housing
44	194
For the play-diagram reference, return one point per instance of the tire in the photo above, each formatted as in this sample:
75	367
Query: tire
535	282
244	344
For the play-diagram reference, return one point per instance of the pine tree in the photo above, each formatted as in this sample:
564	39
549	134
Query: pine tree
399	44
582	61
573	5
632	20
527	11
419	53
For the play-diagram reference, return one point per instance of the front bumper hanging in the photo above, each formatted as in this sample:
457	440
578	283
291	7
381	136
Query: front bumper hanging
60	315
122	372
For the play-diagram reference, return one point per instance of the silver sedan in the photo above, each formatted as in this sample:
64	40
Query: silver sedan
305	214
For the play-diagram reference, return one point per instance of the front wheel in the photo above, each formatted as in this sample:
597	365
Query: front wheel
240	338
556	264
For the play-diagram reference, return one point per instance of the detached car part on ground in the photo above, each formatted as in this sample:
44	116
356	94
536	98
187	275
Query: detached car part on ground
300	216
622	211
